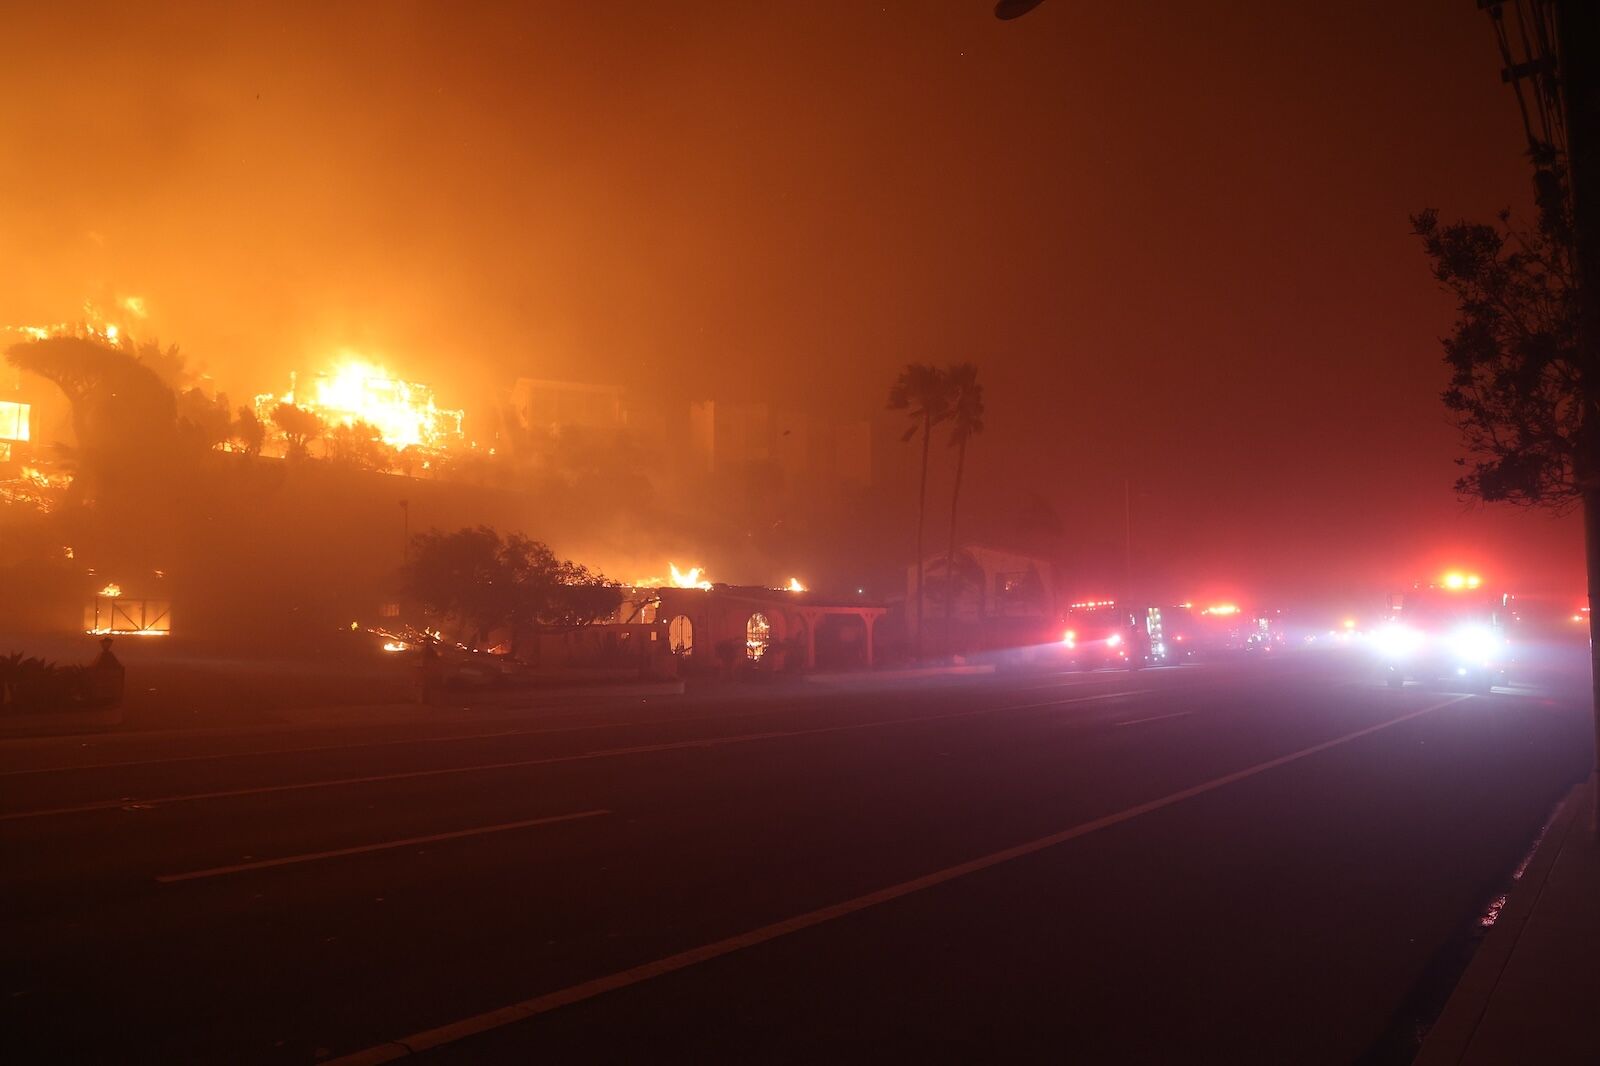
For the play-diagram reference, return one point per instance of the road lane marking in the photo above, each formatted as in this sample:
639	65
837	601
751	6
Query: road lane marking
316	856
549	760
1156	718
536	1005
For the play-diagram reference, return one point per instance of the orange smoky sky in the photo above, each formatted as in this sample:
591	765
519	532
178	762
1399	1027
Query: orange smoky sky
1173	235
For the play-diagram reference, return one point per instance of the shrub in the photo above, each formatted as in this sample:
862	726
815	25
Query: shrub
31	684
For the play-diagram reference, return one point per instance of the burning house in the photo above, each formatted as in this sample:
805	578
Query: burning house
404	413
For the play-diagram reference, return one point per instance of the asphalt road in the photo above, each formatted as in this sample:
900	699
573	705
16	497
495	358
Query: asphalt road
1264	863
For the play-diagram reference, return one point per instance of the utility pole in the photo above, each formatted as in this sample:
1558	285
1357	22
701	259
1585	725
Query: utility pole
1577	34
1127	544
1549	56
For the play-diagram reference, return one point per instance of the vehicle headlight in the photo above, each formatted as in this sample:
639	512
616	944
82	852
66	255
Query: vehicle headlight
1397	641
1475	644
1114	639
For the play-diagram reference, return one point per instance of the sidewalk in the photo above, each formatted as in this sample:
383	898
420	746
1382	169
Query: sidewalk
1532	992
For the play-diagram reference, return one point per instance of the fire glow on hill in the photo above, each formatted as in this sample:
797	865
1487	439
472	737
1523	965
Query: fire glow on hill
695	578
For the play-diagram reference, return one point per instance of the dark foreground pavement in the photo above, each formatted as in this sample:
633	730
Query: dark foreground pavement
1264	864
1530	992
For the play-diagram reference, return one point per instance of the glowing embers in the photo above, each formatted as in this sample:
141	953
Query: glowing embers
40	489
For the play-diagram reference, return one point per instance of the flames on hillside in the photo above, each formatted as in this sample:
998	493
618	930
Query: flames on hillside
351	389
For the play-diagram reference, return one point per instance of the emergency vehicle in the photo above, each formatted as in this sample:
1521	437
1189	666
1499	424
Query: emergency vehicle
1101	633
1217	631
1455	630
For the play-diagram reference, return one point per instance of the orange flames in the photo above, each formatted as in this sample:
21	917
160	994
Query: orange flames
95	325
689	580
356	390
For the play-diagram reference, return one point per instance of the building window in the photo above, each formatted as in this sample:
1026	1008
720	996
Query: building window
757	636
13	420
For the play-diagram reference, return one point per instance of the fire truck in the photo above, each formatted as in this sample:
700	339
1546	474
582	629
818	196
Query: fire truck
1220	630
1101	633
1098	633
1455	630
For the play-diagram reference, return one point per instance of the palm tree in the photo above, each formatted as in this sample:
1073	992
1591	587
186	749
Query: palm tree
964	397
920	392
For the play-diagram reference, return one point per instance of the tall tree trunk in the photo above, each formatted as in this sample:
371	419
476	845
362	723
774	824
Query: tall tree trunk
950	551
922	511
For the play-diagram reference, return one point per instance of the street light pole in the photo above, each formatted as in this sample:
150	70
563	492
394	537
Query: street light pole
1127	542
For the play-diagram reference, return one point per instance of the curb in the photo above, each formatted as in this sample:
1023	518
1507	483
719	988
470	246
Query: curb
897	675
333	716
1450	1038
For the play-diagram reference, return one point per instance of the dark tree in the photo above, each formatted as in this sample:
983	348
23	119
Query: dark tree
579	597
1519	390
489	582
299	428
168	364
247	432
116	400
124	418
359	445
1524	384
920	392
965	398
203	420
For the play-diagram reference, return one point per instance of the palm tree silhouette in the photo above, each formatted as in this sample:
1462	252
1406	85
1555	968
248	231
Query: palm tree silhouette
920	392
964	399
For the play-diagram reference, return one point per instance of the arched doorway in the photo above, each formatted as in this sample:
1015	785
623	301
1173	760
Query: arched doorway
680	635
757	637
